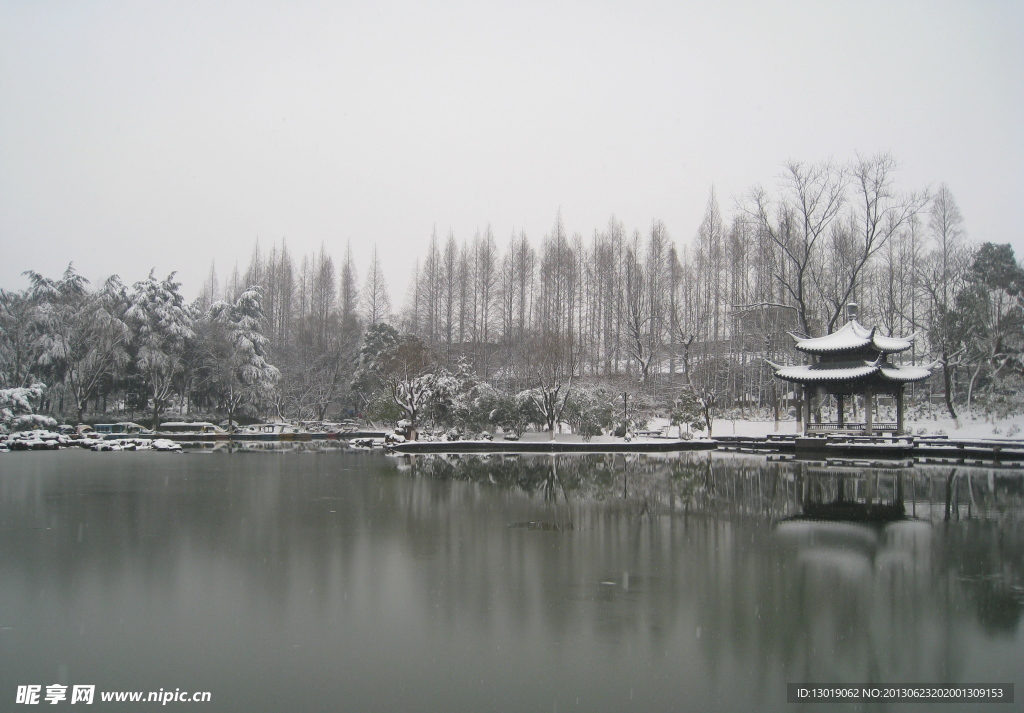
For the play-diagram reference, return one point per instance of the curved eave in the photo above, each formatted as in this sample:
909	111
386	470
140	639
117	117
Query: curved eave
845	339
822	374
816	374
851	337
891	345
905	374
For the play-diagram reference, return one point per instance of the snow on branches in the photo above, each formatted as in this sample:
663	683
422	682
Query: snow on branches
17	406
236	353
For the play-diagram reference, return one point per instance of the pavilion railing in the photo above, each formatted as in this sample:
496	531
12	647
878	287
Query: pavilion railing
849	426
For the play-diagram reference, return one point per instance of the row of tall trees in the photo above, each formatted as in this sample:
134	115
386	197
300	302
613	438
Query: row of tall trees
143	347
703	316
683	327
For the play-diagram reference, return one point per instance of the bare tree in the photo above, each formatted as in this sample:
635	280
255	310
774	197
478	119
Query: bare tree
348	286
449	275
945	272
376	301
812	198
485	276
638	315
552	378
323	298
879	213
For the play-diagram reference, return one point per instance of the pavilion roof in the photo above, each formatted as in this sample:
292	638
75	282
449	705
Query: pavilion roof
851	337
906	374
851	371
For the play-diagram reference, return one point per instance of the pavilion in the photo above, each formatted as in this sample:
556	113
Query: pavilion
852	361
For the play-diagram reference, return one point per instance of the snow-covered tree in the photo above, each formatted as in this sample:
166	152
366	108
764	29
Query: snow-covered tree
549	402
474	405
407	376
237	353
379	340
83	334
162	324
20	346
590	410
688	411
17	408
444	395
990	317
552	376
402	367
412	394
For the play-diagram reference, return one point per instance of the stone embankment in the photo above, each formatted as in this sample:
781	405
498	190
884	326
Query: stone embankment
924	449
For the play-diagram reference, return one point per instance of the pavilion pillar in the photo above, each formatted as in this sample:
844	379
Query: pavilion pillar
839	410
899	411
799	392
869	413
808	394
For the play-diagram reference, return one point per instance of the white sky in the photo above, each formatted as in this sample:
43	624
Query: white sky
169	134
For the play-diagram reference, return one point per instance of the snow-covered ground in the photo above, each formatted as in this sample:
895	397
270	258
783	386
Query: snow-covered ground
970	427
544	436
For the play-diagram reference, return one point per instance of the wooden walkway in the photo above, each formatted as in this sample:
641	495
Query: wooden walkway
924	449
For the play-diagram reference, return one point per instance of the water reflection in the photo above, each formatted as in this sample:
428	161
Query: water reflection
321	445
856	573
735	485
352	581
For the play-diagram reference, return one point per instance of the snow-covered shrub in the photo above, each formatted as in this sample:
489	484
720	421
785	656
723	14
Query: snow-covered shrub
383	408
512	413
590	410
20	402
440	396
31	422
1002	398
687	412
473	407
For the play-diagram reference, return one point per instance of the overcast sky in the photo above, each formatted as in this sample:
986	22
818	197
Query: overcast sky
168	134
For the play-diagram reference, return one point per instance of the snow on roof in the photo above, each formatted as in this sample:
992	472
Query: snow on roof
851	371
850	337
846	338
906	373
830	372
892	345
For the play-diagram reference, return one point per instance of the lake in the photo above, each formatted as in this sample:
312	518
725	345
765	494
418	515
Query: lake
326	579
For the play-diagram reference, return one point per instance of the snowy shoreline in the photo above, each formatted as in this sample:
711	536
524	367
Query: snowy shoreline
970	428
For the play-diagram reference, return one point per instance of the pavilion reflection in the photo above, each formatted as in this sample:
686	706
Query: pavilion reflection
736	566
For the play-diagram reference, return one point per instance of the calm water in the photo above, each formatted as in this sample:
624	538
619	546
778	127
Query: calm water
294	581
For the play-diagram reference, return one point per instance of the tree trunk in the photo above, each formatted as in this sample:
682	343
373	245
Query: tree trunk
970	385
947	383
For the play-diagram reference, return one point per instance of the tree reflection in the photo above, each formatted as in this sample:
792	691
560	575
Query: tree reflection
725	567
